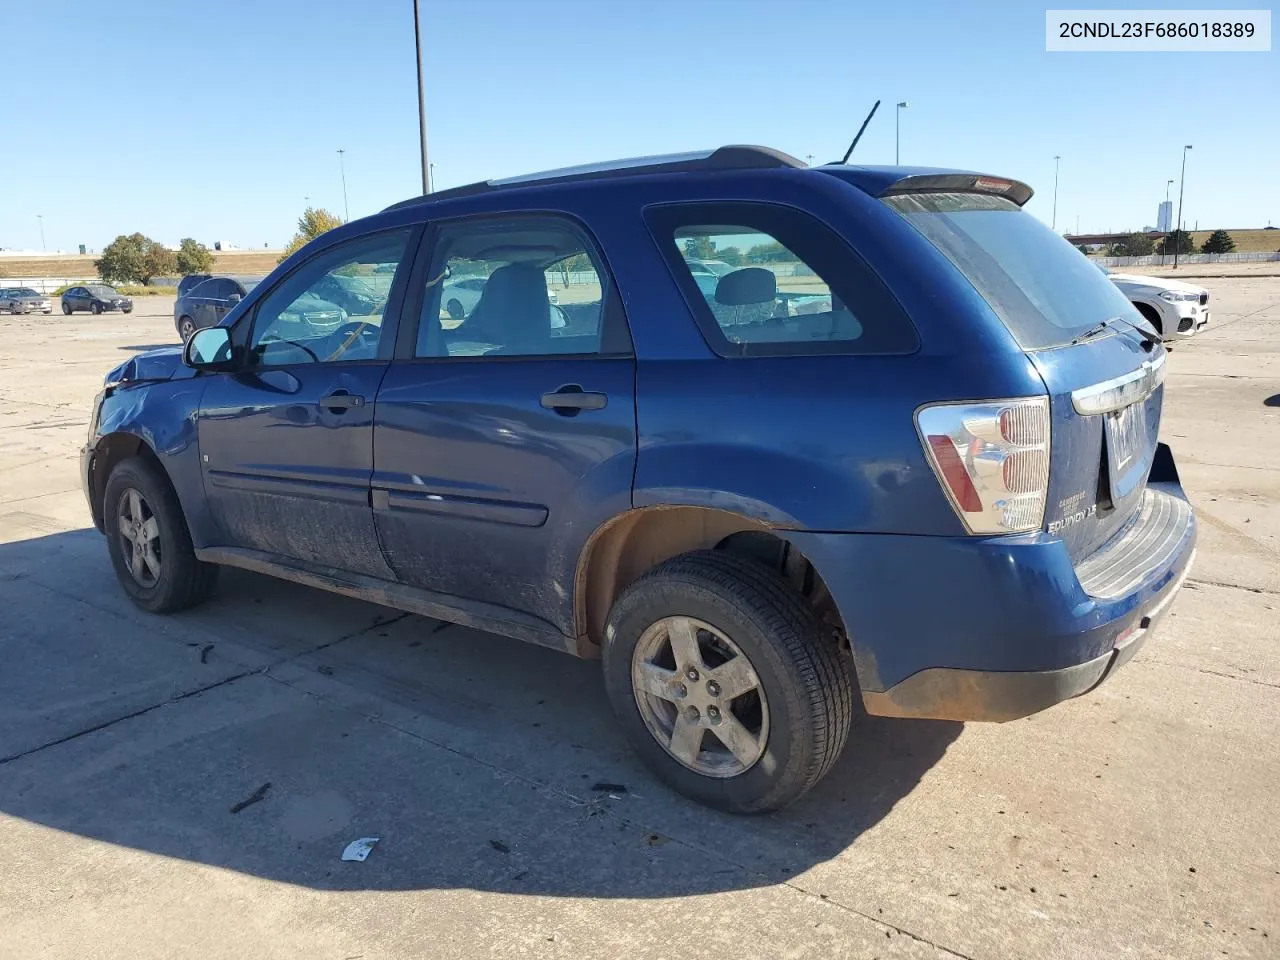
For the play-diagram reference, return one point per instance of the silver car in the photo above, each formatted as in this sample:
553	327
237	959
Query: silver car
24	300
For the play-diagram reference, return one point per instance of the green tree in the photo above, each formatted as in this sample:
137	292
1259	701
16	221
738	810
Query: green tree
769	253
1219	242
699	248
134	258
1133	245
731	255
1179	239
313	222
1082	248
193	257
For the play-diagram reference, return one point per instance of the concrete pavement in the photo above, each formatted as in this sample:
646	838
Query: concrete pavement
1141	820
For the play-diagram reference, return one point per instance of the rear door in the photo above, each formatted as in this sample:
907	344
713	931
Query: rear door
502	439
286	441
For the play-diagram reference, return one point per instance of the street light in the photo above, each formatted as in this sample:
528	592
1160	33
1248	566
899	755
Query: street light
40	217
346	214
422	97
1056	163
1178	226
897	131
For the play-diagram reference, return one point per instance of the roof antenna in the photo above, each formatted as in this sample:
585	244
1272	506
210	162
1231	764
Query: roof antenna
847	153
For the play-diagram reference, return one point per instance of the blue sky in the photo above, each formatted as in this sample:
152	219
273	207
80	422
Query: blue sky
218	120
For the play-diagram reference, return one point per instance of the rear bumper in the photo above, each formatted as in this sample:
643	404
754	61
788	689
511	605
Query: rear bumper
966	628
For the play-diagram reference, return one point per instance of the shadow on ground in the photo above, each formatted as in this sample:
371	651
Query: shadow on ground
266	729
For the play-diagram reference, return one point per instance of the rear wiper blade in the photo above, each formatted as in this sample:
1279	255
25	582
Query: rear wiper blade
1100	327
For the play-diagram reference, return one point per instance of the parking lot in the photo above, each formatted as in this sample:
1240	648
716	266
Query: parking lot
185	786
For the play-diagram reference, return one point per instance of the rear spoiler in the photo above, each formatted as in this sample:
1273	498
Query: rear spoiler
1014	190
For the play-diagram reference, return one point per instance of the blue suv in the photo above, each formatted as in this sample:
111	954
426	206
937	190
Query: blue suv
899	449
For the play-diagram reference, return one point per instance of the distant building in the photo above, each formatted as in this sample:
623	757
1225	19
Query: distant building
1164	219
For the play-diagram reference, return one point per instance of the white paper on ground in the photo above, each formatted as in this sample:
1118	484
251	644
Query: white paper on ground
359	850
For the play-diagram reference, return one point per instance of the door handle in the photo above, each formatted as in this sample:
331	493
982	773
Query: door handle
571	399
341	400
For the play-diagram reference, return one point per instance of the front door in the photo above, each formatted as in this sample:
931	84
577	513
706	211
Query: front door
508	435
286	442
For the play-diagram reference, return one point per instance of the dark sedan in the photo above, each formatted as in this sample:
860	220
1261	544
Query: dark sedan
95	297
208	302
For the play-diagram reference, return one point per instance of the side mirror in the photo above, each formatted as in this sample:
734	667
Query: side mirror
208	349
234	299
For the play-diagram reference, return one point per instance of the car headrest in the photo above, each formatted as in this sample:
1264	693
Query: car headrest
748	285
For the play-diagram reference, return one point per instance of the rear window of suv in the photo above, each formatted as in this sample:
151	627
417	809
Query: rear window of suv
1039	285
784	283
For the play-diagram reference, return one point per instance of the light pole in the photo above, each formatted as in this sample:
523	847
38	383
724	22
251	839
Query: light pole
422	97
342	167
1178	225
897	131
40	217
1057	161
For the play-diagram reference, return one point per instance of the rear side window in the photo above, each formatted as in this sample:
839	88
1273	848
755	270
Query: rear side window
768	280
1039	285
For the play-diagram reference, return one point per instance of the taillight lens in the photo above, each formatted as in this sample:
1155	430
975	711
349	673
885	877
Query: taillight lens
992	459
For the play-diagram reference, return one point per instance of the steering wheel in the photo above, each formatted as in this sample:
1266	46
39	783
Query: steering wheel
348	333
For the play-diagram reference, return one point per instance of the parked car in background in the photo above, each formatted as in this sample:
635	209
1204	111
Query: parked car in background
208	302
938	487
1176	309
24	300
96	298
191	280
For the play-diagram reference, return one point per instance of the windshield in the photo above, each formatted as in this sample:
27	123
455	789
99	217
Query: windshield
1039	285
99	291
27	292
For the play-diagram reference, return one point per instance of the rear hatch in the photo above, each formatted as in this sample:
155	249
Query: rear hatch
1101	362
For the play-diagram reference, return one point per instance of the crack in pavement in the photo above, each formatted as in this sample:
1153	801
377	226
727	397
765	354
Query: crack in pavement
597	806
1234	586
1207	671
191	693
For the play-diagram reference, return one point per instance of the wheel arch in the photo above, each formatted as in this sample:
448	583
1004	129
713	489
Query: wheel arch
111	450
621	550
1150	313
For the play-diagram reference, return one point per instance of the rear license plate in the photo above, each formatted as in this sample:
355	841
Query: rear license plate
1127	435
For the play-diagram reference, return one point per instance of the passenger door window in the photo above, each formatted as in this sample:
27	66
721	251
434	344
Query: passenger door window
330	308
787	284
522	286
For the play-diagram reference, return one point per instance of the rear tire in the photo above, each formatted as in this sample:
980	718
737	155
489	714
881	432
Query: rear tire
186	328
161	575
796	716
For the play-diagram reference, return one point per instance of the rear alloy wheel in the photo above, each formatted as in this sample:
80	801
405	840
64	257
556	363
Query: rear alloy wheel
95	308
66	308
724	683
186	328
148	541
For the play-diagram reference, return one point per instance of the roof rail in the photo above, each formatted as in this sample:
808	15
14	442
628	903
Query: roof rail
732	157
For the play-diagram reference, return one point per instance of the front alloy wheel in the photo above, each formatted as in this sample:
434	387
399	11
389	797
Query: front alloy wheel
139	533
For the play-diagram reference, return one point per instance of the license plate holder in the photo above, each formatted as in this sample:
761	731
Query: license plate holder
1126	431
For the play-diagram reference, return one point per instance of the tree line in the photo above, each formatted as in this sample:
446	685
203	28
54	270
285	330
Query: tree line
1142	244
136	258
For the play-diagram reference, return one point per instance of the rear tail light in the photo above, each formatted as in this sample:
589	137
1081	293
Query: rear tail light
992	459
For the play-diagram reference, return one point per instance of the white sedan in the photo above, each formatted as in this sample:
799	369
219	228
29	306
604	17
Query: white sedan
1177	309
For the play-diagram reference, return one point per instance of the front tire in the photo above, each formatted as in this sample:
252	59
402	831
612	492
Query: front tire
149	543
66	308
95	309
721	678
